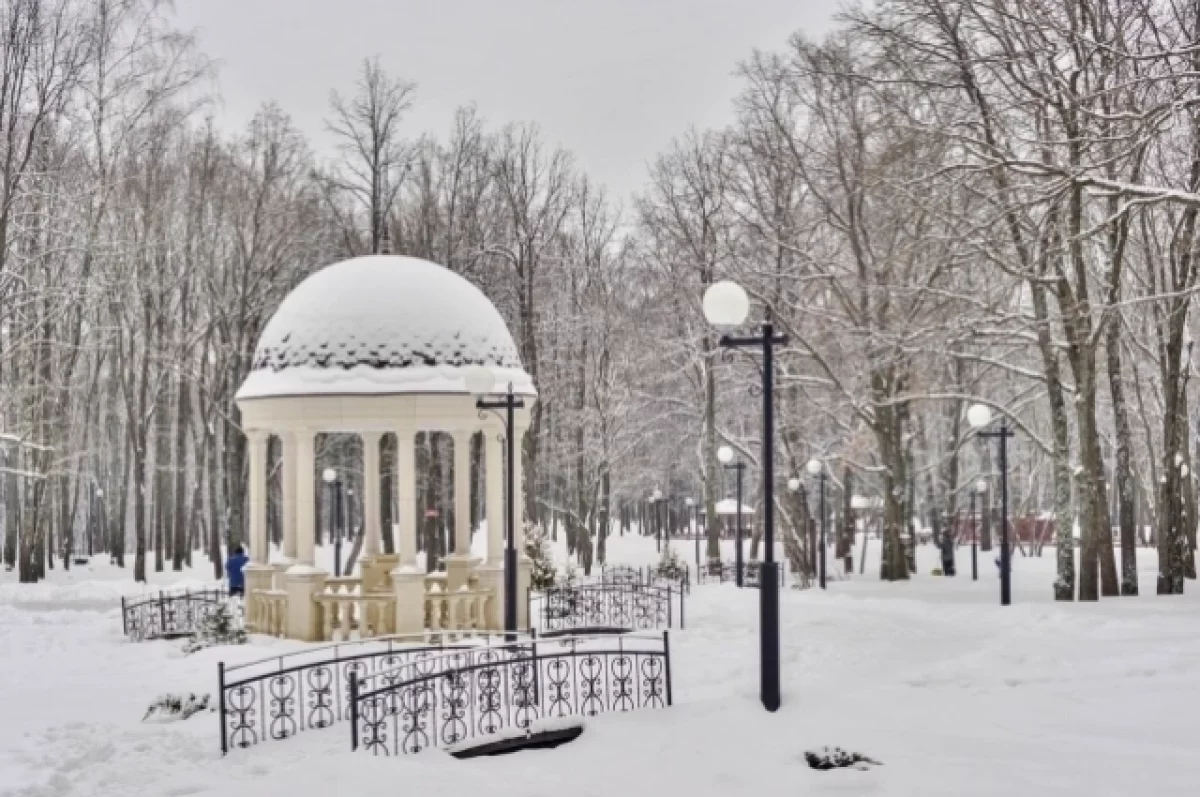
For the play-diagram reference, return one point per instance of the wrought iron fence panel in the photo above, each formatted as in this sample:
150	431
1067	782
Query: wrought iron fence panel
274	703
720	572
168	614
629	607
510	689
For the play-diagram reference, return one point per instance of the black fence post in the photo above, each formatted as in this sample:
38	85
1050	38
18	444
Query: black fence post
162	614
667	661
668	606
537	696
353	712
221	706
124	618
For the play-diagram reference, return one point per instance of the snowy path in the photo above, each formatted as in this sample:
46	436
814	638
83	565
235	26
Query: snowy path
954	695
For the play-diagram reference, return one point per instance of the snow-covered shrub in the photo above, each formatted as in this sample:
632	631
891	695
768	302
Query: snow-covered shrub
171	707
542	576
222	626
570	577
837	758
670	566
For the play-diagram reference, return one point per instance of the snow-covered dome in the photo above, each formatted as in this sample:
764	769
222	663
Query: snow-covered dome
382	324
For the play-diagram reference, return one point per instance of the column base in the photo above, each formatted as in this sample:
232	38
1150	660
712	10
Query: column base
259	579
408	584
491	577
376	571
304	621
459	569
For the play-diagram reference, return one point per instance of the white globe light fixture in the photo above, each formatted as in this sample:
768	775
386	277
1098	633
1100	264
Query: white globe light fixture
979	416
981	487
329	475
814	467
688	502
99	493
794	483
479	380
726	304
725	455
657	494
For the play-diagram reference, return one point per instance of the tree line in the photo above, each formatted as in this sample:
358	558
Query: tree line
940	203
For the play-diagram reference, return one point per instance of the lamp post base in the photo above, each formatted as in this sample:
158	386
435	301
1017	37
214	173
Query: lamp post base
510	592
768	593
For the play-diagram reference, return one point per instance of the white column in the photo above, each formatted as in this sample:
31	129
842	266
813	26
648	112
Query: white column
462	493
287	446
494	459
257	443
306	521
519	490
371	524
406	495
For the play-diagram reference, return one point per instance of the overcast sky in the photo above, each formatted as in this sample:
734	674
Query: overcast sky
613	81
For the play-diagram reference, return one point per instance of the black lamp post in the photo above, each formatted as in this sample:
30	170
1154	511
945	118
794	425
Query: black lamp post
726	305
817	468
655	513
479	381
980	490
335	517
695	532
979	416
725	455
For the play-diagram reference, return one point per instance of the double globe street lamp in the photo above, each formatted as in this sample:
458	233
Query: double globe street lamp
980	417
817	468
480	382
979	491
725	456
726	306
330	476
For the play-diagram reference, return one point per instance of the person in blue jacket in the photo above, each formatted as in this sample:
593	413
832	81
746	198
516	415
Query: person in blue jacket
233	569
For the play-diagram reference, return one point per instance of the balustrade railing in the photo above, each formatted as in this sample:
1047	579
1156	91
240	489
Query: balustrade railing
463	610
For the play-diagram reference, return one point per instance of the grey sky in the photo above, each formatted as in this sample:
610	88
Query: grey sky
613	81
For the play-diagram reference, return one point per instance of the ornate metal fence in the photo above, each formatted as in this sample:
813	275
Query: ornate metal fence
613	607
168	614
281	696
727	571
489	691
646	576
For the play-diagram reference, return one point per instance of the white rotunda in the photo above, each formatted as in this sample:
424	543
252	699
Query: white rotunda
376	345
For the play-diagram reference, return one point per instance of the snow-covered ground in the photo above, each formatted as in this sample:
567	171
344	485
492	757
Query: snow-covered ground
952	693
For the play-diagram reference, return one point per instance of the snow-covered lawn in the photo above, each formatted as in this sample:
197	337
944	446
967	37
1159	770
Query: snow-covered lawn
954	695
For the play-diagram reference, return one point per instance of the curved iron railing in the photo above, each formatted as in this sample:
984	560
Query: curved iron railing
280	696
727	571
168	614
627	607
504	688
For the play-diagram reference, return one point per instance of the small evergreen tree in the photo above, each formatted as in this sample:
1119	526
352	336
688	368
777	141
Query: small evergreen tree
543	574
670	566
222	626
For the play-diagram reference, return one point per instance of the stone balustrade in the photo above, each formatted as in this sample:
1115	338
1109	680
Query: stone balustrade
345	609
266	612
464	609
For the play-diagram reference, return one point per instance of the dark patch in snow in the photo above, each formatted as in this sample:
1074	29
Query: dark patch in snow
837	758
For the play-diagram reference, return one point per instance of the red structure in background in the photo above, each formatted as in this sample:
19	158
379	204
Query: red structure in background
1026	529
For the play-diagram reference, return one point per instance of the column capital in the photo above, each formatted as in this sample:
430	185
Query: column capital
257	435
